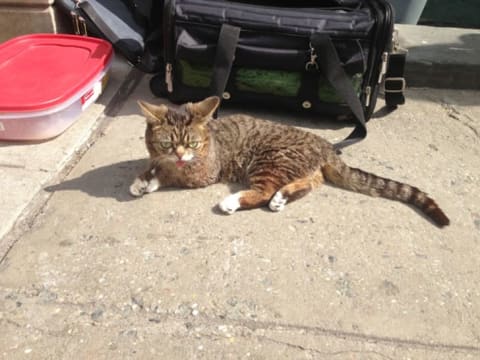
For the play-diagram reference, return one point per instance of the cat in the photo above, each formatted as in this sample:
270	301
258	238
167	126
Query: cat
278	163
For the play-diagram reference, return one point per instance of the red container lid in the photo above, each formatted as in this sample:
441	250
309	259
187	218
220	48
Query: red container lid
41	71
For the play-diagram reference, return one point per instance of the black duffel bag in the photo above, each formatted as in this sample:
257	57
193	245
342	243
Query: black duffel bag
324	56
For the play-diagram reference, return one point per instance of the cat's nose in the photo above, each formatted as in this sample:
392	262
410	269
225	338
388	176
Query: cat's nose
180	151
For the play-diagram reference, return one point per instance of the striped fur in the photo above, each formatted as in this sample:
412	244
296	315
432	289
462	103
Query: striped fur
278	163
366	183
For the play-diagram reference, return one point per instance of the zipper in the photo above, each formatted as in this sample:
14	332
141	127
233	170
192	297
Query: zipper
262	6
334	34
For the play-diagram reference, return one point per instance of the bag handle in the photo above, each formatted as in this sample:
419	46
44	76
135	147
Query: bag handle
224	56
329	63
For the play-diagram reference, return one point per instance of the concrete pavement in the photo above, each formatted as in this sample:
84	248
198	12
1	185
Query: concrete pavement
336	275
27	167
438	57
95	274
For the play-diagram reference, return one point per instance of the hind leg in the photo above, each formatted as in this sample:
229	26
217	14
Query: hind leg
295	190
247	199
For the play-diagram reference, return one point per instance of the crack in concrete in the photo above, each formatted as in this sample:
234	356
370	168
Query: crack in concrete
457	115
12	166
154	318
325	353
57	334
434	346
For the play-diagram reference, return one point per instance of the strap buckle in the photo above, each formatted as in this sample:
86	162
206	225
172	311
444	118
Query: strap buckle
395	84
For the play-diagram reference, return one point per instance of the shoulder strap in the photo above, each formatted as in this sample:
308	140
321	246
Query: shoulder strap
330	65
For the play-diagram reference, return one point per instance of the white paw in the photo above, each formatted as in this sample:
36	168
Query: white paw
230	204
153	185
138	187
278	202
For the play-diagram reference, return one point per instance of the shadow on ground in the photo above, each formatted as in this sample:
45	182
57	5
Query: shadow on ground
110	181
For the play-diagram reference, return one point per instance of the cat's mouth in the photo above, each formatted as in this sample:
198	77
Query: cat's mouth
180	163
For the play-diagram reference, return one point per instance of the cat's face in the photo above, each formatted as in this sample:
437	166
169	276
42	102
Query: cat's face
178	136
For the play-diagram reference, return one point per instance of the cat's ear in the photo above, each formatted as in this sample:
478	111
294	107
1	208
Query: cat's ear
203	110
153	113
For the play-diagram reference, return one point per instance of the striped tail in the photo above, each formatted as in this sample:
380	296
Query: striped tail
366	183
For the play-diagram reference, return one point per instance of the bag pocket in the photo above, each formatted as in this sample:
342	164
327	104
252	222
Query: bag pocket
269	64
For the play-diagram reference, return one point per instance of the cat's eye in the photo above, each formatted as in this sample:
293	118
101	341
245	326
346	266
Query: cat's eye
165	144
193	144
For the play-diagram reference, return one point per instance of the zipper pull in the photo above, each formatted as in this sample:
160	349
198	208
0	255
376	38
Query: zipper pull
312	63
168	77
383	69
368	96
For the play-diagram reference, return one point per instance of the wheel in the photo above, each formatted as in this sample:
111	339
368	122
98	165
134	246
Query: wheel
158	85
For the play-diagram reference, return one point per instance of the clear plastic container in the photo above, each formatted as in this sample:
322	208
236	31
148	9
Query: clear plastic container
48	80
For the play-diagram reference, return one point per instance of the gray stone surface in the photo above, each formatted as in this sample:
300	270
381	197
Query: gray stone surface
336	275
30	17
441	57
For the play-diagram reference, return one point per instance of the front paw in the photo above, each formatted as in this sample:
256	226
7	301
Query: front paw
138	187
141	186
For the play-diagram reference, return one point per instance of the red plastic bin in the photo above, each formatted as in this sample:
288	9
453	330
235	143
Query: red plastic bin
47	80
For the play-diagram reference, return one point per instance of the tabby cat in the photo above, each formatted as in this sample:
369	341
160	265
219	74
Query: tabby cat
278	163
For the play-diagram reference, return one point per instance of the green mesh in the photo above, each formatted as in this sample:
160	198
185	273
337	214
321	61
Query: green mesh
327	93
273	82
195	76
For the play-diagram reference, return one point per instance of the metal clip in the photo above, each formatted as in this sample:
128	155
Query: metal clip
368	95
79	24
312	64
395	40
75	22
168	77
384	67
396	47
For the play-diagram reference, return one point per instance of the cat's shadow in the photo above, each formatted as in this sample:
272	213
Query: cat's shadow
113	181
109	181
